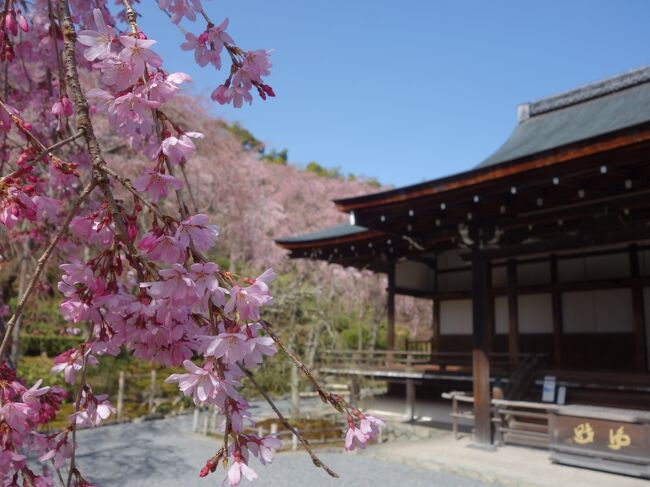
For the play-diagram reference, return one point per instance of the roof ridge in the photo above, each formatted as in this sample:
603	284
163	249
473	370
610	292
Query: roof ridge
584	93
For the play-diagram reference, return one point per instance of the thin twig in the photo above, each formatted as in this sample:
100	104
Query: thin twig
41	265
129	186
195	207
77	404
59	144
325	395
314	458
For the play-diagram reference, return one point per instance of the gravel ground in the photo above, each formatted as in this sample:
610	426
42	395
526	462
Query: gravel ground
165	453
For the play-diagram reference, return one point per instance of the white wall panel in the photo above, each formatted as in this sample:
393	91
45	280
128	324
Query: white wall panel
601	311
501	315
455	281
499	276
451	258
535	314
533	273
596	267
456	317
414	275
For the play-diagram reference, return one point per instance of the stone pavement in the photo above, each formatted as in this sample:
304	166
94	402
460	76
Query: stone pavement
165	453
509	465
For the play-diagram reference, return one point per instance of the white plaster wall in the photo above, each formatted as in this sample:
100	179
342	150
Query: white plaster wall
535	314
455	281
533	273
456	317
596	267
450	258
499	276
414	275
601	311
501	315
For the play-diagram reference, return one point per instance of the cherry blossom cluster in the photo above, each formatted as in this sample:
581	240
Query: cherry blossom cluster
247	67
132	276
12	20
23	411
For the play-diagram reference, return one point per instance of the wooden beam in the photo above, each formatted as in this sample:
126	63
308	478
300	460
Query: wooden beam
513	312
390	308
556	296
638	311
625	234
480	356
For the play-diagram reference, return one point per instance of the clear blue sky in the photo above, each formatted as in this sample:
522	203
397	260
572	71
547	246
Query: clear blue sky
411	90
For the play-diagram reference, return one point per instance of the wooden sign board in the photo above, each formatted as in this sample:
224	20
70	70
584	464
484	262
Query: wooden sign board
603	439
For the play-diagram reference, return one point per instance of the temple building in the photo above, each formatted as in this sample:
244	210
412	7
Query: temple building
536	260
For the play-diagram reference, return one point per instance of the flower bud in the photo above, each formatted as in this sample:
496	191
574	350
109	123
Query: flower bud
22	22
10	23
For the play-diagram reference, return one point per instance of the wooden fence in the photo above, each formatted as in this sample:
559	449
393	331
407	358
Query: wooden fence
515	422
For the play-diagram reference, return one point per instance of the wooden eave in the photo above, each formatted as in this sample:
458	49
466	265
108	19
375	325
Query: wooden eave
480	176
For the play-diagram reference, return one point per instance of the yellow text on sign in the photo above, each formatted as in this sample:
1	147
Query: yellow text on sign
618	439
583	434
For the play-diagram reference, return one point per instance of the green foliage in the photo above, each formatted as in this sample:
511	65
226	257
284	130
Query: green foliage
374	182
248	141
30	369
334	173
50	345
277	157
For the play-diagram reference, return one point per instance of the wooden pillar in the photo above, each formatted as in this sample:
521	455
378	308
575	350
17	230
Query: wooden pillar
513	312
435	344
390	331
435	325
489	310
556	296
638	311
480	357
410	400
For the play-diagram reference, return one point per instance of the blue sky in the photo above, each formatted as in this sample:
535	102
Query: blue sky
411	90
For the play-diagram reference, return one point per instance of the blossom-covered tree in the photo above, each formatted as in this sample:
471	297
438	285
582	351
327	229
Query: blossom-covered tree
134	270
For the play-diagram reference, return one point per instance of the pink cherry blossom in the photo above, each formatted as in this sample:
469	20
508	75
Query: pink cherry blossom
70	362
370	425
181	8
59	454
177	286
230	347
33	393
355	438
201	383
248	300
202	55
237	470
162	88
93	409
263	448
179	148
63	107
156	184
99	41
163	248
197	231
137	51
